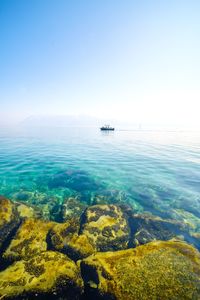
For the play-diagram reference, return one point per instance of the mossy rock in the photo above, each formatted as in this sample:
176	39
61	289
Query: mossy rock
66	239
106	227
158	270
45	276
9	220
30	240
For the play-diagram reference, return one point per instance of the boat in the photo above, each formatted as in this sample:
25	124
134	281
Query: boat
107	127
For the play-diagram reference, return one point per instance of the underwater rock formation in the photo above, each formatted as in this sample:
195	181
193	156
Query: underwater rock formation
30	240
72	208
66	239
77	180
109	196
45	276
157	270
44	205
106	227
192	207
9	220
188	218
146	228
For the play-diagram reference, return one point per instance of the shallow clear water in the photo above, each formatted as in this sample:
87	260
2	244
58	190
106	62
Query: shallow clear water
157	172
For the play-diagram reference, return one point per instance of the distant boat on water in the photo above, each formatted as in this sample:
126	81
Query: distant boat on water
107	127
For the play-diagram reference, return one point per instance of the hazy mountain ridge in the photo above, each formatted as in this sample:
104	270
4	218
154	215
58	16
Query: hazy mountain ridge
70	120
91	121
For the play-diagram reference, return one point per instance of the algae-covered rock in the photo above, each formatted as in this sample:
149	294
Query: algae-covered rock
106	227
157	270
46	204
9	219
66	239
28	211
146	228
25	211
30	239
44	276
72	208
188	218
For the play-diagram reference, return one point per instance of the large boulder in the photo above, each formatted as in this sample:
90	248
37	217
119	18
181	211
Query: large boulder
30	239
49	275
158	270
106	227
9	220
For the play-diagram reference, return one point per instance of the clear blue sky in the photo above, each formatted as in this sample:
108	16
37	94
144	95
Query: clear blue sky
126	59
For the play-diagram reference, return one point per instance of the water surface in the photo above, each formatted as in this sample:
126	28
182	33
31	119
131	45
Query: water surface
153	171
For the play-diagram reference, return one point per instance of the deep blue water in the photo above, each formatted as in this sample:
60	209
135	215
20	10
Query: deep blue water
153	171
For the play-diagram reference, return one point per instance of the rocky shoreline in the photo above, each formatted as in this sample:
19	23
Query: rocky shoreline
97	252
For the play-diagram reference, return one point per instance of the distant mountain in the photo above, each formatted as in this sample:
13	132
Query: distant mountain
75	121
62	121
89	121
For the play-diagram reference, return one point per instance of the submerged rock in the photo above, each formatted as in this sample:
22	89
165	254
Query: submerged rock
45	276
146	228
188	218
66	239
27	211
158	270
109	196
30	240
106	227
9	220
45	206
72	208
77	180
26	196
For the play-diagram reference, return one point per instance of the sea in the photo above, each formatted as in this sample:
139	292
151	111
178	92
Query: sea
155	172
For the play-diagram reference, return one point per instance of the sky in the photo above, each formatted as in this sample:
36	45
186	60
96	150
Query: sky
130	60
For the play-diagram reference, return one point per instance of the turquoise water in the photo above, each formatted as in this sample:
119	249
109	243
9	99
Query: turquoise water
156	172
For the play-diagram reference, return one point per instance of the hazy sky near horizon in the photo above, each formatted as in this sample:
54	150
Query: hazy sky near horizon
130	60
